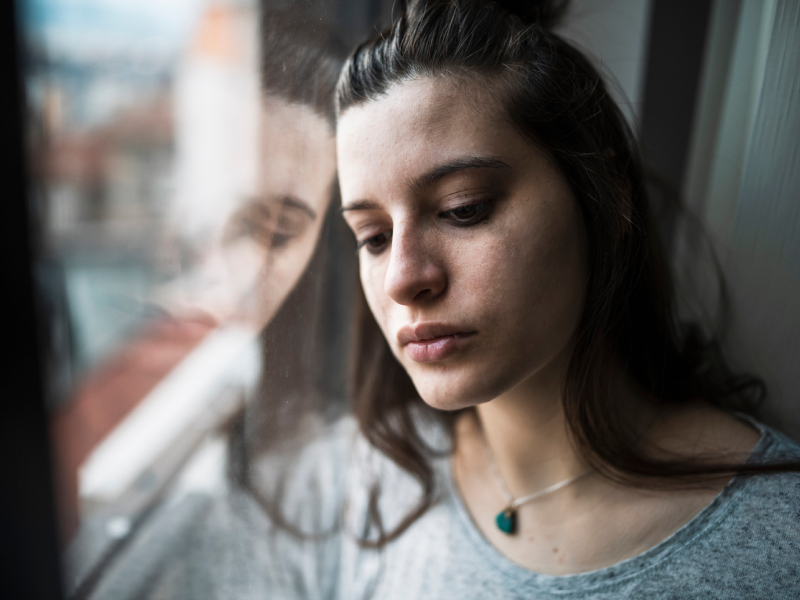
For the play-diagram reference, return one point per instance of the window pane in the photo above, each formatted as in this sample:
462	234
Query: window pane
197	275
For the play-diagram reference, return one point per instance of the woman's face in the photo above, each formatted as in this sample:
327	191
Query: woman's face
472	247
259	246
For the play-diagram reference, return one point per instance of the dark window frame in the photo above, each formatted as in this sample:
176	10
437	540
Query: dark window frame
29	547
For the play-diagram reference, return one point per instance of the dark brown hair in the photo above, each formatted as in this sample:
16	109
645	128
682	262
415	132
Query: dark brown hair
553	96
302	366
300	59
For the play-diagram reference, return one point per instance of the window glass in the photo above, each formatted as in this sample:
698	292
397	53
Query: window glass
196	274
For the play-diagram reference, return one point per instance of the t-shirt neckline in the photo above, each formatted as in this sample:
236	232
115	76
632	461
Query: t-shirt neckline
614	574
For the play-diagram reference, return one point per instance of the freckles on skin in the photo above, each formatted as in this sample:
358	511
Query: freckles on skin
517	280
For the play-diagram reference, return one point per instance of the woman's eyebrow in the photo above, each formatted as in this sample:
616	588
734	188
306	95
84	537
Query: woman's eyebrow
360	205
437	173
295	202
434	175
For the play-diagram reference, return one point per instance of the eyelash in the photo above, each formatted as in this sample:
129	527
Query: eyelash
260	224
366	242
482	211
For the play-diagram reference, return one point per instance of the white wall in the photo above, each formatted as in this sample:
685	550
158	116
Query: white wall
752	200
615	35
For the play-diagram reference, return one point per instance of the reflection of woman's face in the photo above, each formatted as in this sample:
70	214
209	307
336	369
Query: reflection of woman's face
472	247
264	243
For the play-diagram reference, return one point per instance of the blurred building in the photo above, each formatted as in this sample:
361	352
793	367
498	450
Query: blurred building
134	157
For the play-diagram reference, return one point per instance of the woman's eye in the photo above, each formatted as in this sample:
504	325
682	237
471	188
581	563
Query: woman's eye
291	224
279	240
469	214
377	243
256	225
272	227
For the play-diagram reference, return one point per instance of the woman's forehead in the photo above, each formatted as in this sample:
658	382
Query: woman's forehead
416	125
426	103
297	155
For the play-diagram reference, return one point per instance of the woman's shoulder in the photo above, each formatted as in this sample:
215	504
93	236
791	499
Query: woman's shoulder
749	537
768	501
769	495
744	544
773	445
211	538
319	448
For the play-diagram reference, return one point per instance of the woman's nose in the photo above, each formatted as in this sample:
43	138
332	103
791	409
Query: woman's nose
414	273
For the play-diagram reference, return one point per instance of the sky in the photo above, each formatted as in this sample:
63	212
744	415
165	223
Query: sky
79	26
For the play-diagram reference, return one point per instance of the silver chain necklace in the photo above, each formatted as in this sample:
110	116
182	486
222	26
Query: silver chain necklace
506	519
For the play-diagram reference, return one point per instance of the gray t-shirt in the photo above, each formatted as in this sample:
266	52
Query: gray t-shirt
745	544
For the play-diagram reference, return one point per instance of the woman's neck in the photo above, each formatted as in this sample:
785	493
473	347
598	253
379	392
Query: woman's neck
527	433
594	522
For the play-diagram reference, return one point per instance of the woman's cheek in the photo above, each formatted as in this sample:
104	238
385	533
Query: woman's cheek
488	270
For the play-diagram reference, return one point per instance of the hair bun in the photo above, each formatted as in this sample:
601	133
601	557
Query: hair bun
545	13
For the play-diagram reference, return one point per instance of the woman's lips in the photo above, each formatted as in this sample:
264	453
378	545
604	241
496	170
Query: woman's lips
431	342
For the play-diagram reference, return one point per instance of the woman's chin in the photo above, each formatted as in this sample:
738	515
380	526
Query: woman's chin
452	397
448	404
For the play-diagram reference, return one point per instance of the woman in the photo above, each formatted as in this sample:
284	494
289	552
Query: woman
508	257
264	266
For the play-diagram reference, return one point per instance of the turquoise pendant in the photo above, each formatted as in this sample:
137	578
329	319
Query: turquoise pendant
507	520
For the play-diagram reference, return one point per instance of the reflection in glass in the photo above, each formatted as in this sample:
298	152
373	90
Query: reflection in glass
184	155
